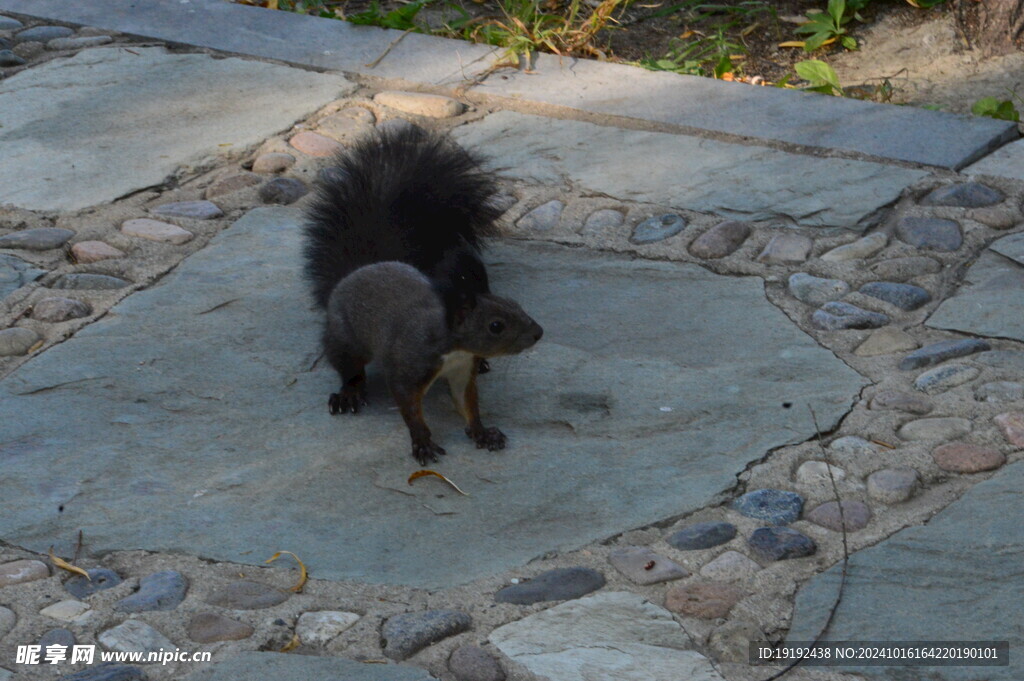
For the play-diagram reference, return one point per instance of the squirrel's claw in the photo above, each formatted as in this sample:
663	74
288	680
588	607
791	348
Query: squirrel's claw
483	367
490	438
346	401
426	450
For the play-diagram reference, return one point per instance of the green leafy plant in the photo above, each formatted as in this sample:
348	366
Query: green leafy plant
402	18
993	107
821	76
704	55
829	26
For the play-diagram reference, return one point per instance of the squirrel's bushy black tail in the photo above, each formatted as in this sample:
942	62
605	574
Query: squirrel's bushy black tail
401	194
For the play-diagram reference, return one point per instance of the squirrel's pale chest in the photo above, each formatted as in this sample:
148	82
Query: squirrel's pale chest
456	363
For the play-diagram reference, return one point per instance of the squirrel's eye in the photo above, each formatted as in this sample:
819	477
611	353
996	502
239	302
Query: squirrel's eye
497	327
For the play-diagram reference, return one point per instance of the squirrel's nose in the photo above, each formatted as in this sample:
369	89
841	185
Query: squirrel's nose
537	333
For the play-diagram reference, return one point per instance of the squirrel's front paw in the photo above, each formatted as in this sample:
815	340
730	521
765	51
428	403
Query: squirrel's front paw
422	451
491	438
349	399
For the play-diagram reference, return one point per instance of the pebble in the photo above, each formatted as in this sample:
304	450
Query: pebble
933	234
603	219
731	565
706	600
856	515
941	379
274	162
159	591
1012	423
1000	391
886	341
473	663
29	49
134	635
774	506
560	584
347	125
702	536
852	445
1008	360
57	637
232	183
406	634
208	627
247	595
996	218
90	282
78	42
17	341
904	296
817	472
781	543
542	218
15	273
965	457
839	315
643	566
86	252
43	33
7	620
39	239
60	309
657	228
8	58
314	144
420	103
816	290
9	24
322	627
786	249
100	579
865	247
966	195
893	485
283	191
941	428
108	671
731	641
196	210
721	240
935	353
906	268
901	401
66	611
154	230
21	571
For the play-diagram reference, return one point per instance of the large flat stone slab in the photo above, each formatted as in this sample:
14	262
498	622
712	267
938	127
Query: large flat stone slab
737	181
90	128
195	401
1007	161
958	578
613	636
253	666
990	302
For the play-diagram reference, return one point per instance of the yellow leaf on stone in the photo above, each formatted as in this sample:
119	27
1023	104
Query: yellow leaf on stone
303	575
425	472
64	565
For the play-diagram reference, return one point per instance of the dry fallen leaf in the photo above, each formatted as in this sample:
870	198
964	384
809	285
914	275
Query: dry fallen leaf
64	565
425	472
303	575
292	645
793	43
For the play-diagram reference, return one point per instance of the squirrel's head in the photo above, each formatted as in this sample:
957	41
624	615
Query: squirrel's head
491	325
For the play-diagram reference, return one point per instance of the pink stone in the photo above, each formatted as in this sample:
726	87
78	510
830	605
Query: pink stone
154	230
232	183
94	251
20	571
707	600
312	144
1012	423
856	515
273	162
964	457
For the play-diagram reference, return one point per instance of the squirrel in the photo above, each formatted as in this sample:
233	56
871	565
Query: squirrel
392	254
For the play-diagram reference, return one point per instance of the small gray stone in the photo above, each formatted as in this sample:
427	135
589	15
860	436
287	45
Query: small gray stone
885	341
473	663
855	515
43	33
134	636
68	610
702	536
21	571
208	627
865	247
17	341
196	210
816	290
643	566
232	183
560	584
781	543
7	620
159	591
901	401
274	162
420	103
720	240
85	281
839	315
939	428
941	379
107	671
100	579
9	24
997	217
851	445
39	239
320	627
729	566
29	49
933	234
603	219
57	637
8	58
246	595
60	309
966	195
906	268
786	249
78	42
817	473
935	353
904	296
406	634
15	273
283	191
774	506
543	218
893	485
347	125
1000	391
657	228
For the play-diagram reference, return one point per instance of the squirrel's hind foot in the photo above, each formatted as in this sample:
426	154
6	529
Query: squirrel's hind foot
490	438
348	400
422	451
